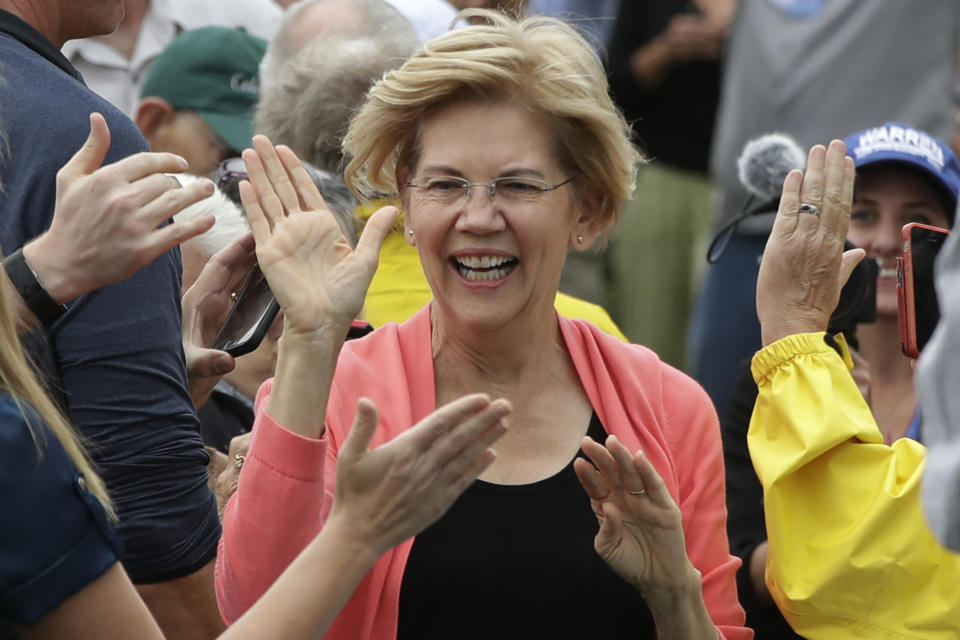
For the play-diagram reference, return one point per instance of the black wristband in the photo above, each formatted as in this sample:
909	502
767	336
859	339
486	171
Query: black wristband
28	285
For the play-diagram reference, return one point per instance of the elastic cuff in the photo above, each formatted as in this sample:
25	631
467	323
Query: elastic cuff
771	357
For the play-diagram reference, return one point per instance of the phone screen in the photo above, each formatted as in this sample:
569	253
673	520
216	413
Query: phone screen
251	317
925	244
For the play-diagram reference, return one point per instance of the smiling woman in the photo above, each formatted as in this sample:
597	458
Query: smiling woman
903	175
505	151
495	249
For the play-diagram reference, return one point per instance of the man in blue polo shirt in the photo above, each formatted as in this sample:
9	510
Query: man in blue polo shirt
115	353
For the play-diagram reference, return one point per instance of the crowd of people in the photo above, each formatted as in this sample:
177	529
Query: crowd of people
505	393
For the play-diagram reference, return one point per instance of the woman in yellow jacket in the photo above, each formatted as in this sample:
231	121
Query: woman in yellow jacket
851	555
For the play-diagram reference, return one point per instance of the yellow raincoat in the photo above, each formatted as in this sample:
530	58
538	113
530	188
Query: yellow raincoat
850	556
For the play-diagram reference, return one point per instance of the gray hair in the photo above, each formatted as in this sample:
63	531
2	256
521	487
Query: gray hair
339	200
309	91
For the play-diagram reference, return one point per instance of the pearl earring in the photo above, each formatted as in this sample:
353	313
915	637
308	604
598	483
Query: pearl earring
410	233
579	239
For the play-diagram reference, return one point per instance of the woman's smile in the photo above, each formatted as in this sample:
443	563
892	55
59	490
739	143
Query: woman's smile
487	268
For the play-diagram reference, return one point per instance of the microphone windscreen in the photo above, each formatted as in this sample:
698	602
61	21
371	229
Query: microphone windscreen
765	163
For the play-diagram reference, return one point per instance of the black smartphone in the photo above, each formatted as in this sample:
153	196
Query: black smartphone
917	296
250	318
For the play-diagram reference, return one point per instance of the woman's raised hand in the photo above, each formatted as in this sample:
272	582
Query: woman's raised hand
641	528
319	280
394	491
804	265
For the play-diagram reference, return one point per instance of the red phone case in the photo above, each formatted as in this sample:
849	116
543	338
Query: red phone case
906	304
906	320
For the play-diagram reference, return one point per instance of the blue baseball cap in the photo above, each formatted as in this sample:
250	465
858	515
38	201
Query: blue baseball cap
903	144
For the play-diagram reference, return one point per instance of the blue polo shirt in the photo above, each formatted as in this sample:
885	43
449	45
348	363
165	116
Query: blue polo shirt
54	535
115	356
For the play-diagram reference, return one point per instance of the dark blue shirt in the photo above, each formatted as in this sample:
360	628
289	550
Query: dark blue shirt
116	353
54	535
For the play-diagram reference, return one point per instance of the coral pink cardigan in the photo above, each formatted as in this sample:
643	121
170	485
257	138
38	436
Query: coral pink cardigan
286	487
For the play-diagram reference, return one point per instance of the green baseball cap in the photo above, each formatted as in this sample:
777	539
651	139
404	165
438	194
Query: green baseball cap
212	72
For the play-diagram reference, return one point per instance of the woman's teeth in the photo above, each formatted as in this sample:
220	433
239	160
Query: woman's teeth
482	262
493	274
484	267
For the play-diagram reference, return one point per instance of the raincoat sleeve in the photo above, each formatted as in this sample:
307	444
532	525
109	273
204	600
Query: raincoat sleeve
851	555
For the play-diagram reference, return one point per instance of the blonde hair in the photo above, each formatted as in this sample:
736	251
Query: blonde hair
18	379
541	63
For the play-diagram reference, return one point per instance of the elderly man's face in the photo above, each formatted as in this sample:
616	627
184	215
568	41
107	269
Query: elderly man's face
189	136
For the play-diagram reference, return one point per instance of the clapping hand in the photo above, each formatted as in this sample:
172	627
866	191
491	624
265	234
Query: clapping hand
390	493
641	528
319	280
106	221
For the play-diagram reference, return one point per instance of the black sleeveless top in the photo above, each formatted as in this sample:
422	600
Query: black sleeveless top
517	561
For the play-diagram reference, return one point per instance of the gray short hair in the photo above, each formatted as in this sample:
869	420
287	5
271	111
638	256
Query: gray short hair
339	199
309	93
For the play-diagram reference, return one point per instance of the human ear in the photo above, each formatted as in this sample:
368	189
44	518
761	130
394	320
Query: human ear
153	115
588	226
584	233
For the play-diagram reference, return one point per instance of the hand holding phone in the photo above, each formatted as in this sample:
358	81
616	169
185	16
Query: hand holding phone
250	318
917	307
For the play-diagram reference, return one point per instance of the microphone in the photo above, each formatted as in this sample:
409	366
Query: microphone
764	164
762	167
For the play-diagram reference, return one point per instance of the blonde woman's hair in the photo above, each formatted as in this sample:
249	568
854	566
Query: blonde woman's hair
18	379
539	62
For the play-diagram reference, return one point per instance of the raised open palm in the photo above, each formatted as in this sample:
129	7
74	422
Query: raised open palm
316	276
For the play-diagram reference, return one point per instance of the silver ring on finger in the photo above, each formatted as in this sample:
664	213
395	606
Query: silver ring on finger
640	493
806	207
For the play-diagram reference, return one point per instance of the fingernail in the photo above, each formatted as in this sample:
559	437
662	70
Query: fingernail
206	185
182	161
